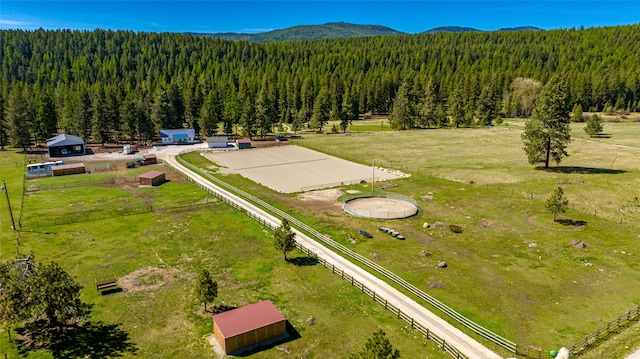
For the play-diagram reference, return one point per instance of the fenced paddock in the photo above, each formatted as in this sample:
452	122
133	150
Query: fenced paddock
380	205
290	169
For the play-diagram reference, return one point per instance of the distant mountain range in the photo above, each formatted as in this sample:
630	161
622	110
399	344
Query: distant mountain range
470	29
334	30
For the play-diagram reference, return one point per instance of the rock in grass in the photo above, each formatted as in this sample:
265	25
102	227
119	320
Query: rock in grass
442	264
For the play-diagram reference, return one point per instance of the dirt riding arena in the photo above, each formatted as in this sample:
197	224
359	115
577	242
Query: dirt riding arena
291	168
380	208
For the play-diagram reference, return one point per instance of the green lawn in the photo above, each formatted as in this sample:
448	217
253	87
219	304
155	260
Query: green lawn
513	270
157	256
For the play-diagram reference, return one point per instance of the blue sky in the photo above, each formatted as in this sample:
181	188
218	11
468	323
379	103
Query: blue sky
259	16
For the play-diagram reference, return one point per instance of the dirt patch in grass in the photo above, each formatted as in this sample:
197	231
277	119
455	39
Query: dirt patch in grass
324	201
148	278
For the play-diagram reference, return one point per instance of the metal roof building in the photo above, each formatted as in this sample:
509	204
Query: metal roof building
151	178
65	145
248	326
184	136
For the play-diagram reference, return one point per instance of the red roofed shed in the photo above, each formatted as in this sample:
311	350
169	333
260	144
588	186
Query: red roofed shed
247	326
151	178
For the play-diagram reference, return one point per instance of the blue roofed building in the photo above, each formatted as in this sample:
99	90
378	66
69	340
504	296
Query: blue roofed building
185	136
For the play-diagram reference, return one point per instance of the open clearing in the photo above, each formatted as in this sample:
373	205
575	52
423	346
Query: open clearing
289	169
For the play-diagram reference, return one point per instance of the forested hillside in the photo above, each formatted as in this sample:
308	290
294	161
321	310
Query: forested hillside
330	30
107	86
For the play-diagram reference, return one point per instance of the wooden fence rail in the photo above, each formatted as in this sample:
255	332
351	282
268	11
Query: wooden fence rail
604	332
476	328
429	335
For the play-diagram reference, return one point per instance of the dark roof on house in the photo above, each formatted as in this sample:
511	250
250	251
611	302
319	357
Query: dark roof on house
151	174
64	140
247	318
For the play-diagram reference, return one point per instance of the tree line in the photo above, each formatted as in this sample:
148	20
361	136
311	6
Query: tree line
108	86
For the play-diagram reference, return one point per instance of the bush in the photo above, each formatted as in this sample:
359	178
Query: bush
455	228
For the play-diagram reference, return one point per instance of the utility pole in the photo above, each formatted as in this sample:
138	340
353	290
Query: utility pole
4	189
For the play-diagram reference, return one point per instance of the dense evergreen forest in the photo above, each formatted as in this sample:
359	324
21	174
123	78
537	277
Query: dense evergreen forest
110	86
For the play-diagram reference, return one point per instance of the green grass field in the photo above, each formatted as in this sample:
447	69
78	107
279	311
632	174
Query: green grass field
157	256
512	269
512	260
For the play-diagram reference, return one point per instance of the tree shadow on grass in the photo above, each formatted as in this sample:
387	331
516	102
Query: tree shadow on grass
91	339
571	222
220	308
583	170
303	261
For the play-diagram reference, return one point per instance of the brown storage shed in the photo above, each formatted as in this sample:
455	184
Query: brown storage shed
248	326
151	178
70	169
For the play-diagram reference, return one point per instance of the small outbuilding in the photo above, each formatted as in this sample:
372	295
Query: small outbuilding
243	143
70	169
217	141
65	145
184	136
150	159
248	326
152	178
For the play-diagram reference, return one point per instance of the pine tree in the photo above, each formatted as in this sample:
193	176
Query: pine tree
547	133
20	119
83	116
100	126
162	113
428	108
321	110
400	116
46	120
456	108
4	139
210	114
264	120
248	118
594	126
284	238
377	347
206	288
557	203
576	113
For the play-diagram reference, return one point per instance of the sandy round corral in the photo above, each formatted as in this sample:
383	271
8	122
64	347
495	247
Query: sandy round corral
380	208
289	169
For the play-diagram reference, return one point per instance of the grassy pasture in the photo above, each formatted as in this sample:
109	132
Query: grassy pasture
157	256
513	269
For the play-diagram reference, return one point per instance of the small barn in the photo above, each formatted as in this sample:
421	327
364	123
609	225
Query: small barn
217	141
65	145
70	169
152	178
185	136
243	143
248	326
